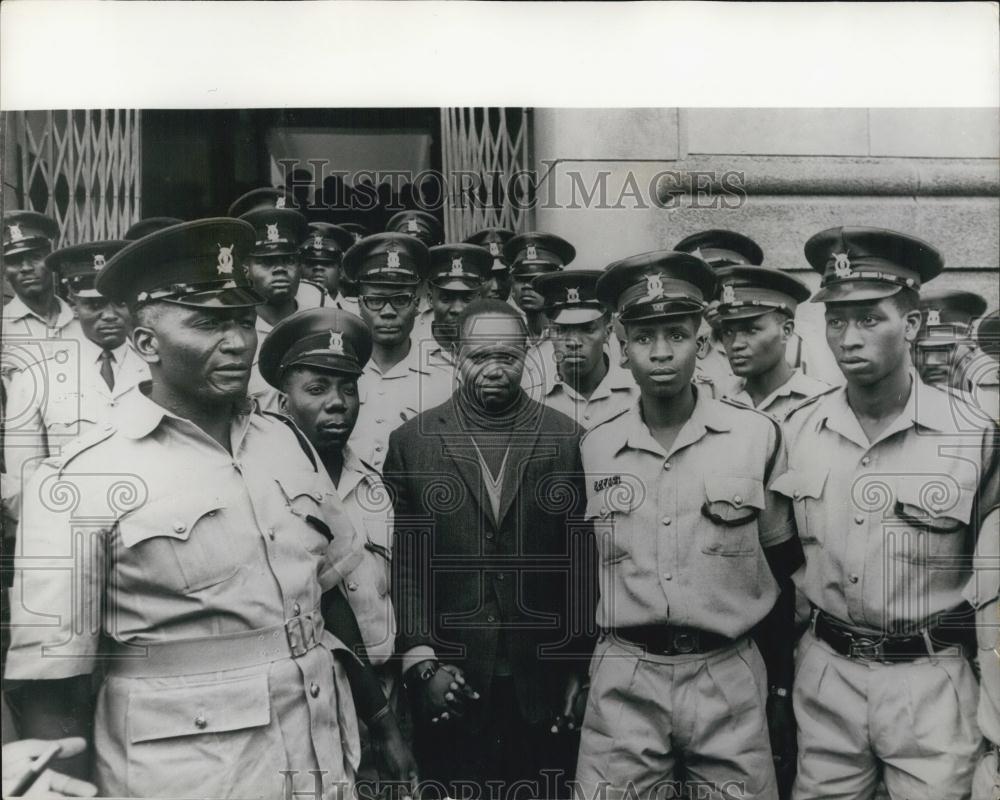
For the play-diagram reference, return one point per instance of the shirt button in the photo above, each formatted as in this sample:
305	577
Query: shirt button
200	721
859	520
314	689
666	466
296	609
270	534
796	494
666	520
379	420
865	461
180	527
667	576
586	416
378	448
738	500
854	579
352	587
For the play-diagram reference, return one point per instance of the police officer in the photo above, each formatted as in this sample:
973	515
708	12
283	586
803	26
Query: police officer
209	537
494	239
419	224
149	225
396	383
36	314
72	391
322	255
588	383
694	553
314	358
755	318
530	255
458	274
946	354
275	269
887	476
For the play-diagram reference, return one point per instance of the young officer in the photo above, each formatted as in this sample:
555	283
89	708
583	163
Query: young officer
494	239
322	255
755	319
588	383
888	478
695	554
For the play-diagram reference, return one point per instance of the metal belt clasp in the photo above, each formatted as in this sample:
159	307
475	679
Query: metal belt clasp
301	635
867	648
684	642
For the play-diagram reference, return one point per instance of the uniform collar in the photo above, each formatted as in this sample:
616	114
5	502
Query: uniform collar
410	363
16	310
617	378
706	416
354	472
92	352
799	383
139	415
926	407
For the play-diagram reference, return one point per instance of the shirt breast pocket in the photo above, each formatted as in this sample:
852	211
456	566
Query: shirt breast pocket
304	498
805	487
930	519
610	512
183	541
732	504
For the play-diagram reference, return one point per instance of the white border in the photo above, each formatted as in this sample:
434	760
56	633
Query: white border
87	53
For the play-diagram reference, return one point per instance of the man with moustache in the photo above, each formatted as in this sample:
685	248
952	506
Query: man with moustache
207	546
890	480
494	239
396	383
322	257
588	383
71	392
490	563
695	556
755	319
314	358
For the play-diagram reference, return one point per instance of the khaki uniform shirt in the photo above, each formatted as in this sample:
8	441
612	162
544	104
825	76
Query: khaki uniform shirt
614	394
782	400
681	534
28	339
887	526
147	531
366	501
53	402
983	593
388	399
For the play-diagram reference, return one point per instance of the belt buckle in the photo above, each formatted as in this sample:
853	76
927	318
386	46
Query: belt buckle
684	642
300	635
867	648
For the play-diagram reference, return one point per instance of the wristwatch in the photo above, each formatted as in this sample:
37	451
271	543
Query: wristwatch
424	674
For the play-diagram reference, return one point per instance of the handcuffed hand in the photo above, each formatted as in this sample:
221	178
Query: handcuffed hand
444	695
574	705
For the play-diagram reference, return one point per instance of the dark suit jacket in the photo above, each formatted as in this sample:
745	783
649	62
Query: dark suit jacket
460	576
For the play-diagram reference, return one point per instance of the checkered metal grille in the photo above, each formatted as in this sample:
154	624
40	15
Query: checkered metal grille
484	151
82	168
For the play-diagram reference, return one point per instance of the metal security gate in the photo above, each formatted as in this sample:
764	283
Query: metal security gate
486	156
82	168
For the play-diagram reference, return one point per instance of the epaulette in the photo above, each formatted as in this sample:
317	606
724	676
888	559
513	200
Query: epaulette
299	435
808	401
604	422
83	443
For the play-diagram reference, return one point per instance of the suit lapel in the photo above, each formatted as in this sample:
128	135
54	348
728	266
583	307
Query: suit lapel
457	445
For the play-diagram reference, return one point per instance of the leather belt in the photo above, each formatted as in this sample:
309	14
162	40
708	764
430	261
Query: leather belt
867	646
162	659
671	640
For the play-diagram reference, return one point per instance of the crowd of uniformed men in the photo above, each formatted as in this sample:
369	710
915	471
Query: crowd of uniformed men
302	510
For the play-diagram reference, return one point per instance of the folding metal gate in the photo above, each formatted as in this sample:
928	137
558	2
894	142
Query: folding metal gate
486	155
82	168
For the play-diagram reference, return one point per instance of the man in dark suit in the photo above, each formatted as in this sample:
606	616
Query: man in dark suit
493	572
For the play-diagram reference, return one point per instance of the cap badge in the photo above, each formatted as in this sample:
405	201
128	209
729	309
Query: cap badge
532	253
411	226
225	265
272	232
98	261
728	294
654	286
456	266
357	236
494	249
933	316
393	258
336	344
572	294
279	203
15	232
841	265
318	241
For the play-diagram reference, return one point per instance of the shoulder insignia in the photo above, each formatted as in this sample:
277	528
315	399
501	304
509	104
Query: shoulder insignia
605	421
808	401
299	435
83	443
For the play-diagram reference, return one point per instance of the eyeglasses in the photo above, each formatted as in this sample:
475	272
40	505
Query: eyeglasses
376	302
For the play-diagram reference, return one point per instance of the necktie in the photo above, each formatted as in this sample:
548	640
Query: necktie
107	372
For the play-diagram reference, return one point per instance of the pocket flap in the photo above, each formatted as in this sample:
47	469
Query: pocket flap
801	483
617	494
172	516
300	484
936	501
735	490
196	709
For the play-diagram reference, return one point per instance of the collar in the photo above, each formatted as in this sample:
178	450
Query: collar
139	416
409	363
617	378
707	415
16	310
92	352
354	472
799	383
